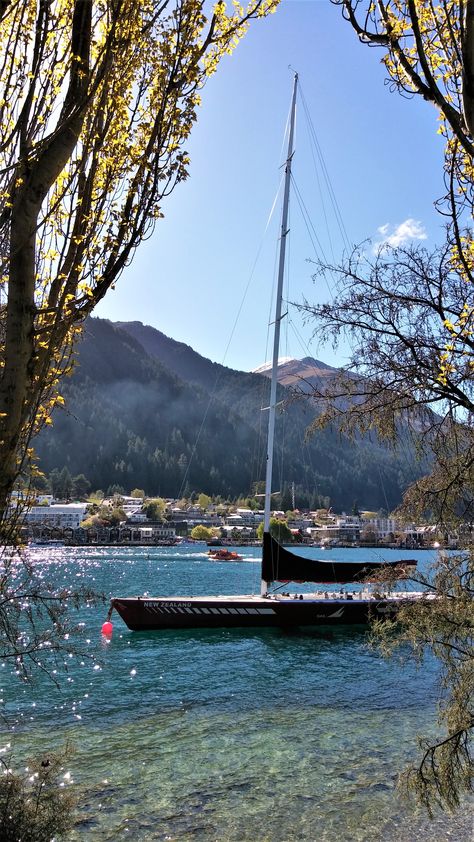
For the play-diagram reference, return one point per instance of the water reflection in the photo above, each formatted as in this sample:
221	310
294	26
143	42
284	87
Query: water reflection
227	734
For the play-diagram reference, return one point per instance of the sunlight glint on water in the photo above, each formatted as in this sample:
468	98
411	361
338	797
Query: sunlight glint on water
226	735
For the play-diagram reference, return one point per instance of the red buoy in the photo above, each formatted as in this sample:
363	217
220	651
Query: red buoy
107	628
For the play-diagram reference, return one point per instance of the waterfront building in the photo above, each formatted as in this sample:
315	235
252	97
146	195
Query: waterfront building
60	515
335	533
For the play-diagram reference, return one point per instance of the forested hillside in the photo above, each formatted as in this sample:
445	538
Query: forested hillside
146	411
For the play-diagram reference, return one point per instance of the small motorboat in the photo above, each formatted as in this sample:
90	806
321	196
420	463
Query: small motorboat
224	555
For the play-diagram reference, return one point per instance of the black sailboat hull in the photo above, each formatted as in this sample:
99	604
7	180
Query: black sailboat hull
148	614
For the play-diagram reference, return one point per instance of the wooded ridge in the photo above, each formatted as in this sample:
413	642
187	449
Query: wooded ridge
143	410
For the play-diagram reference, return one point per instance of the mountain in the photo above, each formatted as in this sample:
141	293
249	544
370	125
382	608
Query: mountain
146	411
132	422
301	377
301	374
175	356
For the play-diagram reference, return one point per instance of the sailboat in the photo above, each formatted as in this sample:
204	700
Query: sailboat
146	613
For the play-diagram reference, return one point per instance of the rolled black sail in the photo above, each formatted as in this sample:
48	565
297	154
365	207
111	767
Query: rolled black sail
281	565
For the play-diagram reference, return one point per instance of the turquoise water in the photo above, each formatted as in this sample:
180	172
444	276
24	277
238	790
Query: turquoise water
225	734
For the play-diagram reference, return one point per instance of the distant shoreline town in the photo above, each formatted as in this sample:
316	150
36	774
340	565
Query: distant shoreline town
127	520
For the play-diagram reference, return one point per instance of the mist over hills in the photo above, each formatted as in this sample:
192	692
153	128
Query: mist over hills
143	410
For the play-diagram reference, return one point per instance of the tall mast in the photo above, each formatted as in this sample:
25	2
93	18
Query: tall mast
278	317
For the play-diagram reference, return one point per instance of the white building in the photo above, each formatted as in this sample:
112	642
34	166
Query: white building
344	521
136	516
244	517
61	515
382	526
249	517
156	532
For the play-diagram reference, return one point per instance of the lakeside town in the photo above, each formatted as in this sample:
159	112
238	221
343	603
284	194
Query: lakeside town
137	520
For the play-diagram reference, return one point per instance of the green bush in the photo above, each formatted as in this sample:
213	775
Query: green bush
37	806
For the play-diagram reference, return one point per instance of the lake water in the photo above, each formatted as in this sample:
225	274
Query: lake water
225	735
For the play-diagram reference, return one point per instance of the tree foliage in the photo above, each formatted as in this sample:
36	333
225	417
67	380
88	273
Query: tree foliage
202	533
105	516
429	51
393	309
36	621
204	501
155	509
278	529
97	98
36	806
446	625
409	316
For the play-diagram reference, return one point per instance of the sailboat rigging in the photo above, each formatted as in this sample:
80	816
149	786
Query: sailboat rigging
144	613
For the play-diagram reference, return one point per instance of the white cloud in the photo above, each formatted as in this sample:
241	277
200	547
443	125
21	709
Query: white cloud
411	229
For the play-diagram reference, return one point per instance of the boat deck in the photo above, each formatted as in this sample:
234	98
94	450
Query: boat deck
258	599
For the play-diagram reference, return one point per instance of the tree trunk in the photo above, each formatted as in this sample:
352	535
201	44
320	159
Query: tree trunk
19	340
18	387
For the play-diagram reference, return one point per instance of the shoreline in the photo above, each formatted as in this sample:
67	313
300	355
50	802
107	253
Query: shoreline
375	546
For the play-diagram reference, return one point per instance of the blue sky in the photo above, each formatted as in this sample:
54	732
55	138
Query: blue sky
382	153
